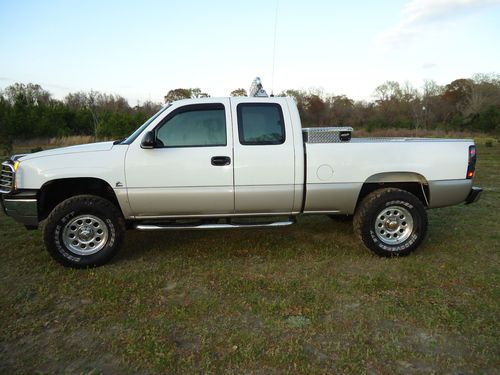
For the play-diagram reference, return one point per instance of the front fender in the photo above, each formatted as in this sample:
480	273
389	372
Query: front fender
104	165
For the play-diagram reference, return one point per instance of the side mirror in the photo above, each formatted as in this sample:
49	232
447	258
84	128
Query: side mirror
148	141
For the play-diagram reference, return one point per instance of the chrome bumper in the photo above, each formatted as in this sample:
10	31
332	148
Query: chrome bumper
25	211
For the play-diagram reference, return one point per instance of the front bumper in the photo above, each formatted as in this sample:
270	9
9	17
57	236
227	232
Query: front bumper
474	195
22	208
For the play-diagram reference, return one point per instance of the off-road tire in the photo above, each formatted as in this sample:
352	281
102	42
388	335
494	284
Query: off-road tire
71	209
368	216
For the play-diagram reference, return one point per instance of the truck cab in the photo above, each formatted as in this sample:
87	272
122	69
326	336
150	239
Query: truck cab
219	157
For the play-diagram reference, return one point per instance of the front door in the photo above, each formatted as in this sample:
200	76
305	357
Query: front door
190	171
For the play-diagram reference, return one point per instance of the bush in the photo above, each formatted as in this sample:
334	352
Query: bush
5	146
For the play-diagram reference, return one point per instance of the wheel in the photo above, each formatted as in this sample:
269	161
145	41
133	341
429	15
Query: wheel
391	222
84	231
341	218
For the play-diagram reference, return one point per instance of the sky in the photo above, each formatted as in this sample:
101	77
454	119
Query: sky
143	49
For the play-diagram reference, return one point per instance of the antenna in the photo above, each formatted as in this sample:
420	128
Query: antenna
274	47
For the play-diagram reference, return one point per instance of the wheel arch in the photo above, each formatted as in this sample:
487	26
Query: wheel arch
411	182
55	191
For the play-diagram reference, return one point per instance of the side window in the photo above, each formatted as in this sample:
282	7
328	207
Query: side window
192	126
260	124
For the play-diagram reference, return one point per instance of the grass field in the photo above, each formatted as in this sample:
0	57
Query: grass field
304	299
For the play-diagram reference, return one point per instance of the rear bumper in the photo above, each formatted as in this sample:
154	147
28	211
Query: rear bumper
474	195
23	209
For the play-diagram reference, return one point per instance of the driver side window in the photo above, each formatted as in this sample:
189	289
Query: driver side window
198	125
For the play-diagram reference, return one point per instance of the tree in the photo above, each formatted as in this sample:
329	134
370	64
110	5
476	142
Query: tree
390	108
197	93
431	108
315	107
340	109
239	92
179	94
148	108
457	94
388	91
77	100
485	92
31	93
6	133
299	97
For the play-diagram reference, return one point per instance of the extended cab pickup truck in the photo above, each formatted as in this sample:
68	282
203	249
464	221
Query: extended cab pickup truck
208	163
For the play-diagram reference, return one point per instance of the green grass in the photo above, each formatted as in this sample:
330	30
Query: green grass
304	299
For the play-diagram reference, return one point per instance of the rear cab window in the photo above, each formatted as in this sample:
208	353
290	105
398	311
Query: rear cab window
260	124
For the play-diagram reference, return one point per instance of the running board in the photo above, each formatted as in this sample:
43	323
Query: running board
212	226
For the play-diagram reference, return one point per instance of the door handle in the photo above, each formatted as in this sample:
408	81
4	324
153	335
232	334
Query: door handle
221	160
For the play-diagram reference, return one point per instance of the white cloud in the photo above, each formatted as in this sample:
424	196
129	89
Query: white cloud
421	16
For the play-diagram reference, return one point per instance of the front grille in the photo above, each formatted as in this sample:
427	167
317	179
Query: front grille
7	177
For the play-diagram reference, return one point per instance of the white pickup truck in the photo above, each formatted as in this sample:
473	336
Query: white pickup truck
208	163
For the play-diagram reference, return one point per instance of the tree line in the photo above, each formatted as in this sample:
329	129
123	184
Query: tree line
472	104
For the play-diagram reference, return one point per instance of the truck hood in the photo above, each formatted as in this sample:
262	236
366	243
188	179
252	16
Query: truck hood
91	147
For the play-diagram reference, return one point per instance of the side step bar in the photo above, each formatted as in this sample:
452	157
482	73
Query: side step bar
212	226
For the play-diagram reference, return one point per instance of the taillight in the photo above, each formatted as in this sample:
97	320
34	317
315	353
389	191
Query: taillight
471	167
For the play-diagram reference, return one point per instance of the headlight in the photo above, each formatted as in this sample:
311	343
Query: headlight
16	165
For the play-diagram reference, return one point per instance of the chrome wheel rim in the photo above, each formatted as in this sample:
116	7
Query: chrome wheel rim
393	225
85	235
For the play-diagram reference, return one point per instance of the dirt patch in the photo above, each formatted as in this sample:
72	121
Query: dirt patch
50	353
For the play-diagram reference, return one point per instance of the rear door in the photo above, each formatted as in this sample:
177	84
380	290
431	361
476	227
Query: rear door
263	156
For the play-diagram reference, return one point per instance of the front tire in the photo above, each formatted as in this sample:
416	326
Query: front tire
84	231
391	222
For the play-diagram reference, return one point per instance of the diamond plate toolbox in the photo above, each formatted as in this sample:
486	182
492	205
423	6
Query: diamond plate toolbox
327	135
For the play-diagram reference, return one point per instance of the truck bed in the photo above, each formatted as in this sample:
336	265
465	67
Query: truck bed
336	171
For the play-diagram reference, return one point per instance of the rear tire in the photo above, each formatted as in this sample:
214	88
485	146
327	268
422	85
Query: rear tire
84	231
391	222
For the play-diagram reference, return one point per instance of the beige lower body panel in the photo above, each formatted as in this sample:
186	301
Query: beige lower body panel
214	201
264	199
179	201
339	198
332	198
448	192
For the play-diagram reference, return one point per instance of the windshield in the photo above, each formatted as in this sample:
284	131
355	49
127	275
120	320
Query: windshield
140	129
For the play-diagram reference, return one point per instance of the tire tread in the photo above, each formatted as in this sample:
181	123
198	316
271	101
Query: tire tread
66	205
359	220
